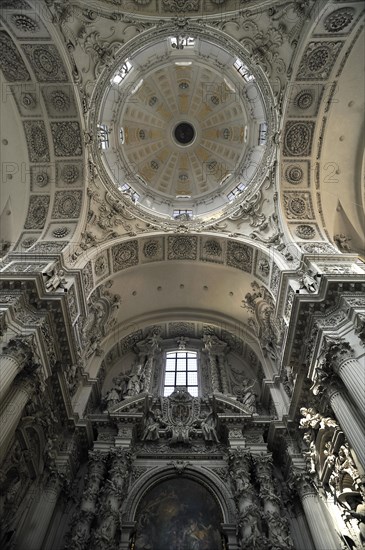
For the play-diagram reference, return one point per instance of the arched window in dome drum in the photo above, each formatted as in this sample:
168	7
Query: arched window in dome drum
103	136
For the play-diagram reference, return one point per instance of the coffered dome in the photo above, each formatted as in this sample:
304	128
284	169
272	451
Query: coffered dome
182	127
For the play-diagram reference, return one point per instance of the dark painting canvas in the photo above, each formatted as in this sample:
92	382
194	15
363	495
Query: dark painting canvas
178	514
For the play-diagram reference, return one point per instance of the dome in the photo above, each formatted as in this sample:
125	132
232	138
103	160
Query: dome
183	133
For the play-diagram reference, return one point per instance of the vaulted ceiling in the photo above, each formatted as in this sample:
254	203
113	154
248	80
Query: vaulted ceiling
107	201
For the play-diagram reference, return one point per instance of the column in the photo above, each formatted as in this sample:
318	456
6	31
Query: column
11	410
125	536
278	529
36	527
14	356
323	534
81	532
115	489
300	531
240	462
352	374
352	426
230	532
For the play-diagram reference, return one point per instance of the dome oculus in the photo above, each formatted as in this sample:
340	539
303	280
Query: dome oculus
184	133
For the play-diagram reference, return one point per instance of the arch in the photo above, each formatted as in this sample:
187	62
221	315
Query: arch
137	325
205	477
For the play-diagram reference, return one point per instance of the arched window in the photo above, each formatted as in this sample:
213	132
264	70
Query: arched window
181	370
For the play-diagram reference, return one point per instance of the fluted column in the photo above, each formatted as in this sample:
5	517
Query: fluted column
38	524
114	491
11	410
81	531
352	374
323	534
337	356
14	356
352	426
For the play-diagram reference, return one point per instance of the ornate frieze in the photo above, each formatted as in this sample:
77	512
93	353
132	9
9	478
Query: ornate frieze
239	255
181	328
180	6
35	133
46	62
315	248
318	60
68	174
125	255
211	250
11	63
66	139
59	101
182	247
67	204
60	232
275	279
339	20
298	137
298	205
37	212
40	178
101	265
305	231
152	249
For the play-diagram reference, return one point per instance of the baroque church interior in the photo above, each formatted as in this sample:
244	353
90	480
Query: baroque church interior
182	275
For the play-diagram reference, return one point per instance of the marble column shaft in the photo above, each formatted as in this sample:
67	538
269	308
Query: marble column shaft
41	516
13	358
352	373
9	368
322	534
352	426
11	411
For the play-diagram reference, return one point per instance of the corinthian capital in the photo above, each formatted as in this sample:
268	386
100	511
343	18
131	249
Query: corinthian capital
301	482
335	350
334	388
20	348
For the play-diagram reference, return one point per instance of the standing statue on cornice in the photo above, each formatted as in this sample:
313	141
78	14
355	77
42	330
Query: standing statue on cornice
112	398
152	423
247	396
209	427
136	381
